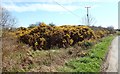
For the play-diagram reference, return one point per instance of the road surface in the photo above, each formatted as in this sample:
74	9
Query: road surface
112	58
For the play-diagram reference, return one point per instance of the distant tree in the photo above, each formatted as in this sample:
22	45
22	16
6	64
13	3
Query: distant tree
51	24
117	29
6	20
91	21
21	28
38	23
111	29
32	25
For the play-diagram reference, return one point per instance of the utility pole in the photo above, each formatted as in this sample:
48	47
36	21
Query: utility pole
88	15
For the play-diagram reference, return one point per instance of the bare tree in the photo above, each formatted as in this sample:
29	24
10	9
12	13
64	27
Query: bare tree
6	19
92	20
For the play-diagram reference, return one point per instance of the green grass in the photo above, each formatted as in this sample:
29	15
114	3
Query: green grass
91	62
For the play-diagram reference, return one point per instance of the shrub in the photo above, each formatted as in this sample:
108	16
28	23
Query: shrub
45	36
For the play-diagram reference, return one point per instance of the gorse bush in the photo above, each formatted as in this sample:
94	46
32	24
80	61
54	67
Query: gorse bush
45	37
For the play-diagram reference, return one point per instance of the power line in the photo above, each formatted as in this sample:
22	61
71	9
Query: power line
66	9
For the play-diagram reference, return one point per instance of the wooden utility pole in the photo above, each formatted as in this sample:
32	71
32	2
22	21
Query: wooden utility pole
88	23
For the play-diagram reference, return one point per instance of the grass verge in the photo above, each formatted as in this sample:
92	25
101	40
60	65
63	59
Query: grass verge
92	61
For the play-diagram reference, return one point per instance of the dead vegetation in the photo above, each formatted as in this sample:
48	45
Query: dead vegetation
18	57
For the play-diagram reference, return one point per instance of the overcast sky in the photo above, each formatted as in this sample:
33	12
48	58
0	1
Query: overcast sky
63	12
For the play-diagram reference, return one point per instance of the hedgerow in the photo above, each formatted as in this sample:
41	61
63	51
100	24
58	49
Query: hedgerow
46	37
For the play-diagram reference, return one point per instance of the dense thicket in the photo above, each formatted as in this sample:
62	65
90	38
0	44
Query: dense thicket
45	37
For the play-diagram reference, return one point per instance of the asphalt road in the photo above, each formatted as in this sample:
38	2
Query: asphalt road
112	59
119	55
